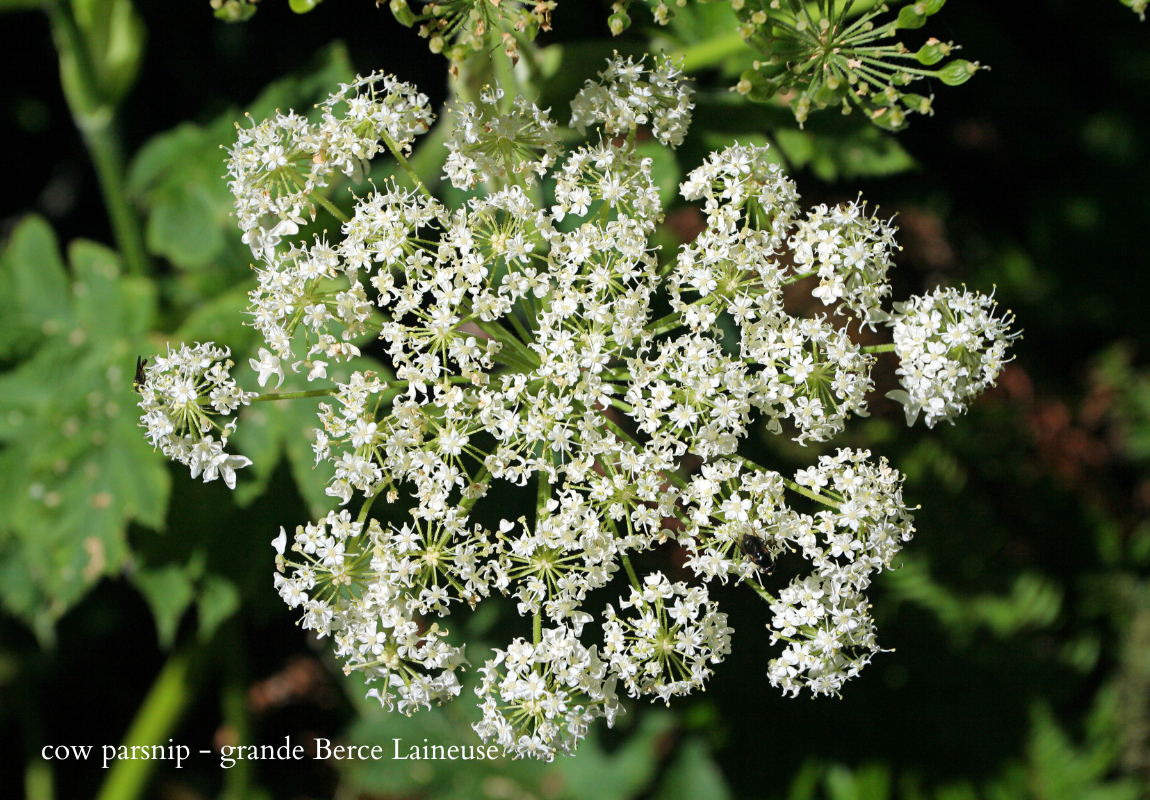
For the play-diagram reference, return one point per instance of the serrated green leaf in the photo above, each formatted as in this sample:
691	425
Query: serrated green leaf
221	320
863	152
186	226
75	469
35	286
623	773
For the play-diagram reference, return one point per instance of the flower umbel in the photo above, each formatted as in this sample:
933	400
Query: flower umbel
537	337
951	347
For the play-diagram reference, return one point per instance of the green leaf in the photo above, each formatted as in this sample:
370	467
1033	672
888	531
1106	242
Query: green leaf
624	772
169	591
218	599
35	286
303	6
693	775
75	469
864	152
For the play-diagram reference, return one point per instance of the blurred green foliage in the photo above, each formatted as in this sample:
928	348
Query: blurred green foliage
1034	551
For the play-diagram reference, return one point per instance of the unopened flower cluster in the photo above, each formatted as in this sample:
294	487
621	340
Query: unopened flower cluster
827	55
534	337
459	28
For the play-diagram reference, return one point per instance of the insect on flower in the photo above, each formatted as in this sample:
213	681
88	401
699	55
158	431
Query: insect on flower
752	547
138	381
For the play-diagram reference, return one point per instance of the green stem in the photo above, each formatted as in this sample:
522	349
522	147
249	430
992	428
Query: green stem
294	395
427	160
466	504
760	591
794	487
104	147
406	167
95	118
331	208
234	709
537	628
631	573
366	507
155	720
39	781
879	348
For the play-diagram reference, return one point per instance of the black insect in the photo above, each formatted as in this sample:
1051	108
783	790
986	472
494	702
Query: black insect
138	383
753	547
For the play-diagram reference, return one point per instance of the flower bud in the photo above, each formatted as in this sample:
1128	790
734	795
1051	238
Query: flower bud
303	6
402	12
758	88
933	51
910	18
958	72
618	23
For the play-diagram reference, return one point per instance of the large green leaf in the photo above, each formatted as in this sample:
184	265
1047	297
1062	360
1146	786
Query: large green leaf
74	469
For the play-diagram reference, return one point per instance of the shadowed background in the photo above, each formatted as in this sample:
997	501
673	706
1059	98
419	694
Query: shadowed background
1019	622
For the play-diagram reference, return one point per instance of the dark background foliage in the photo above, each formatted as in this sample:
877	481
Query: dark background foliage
1019	625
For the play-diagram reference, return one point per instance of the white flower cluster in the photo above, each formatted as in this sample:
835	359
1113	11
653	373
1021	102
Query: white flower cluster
851	254
628	95
824	618
374	629
522	345
539	699
277	165
178	393
951	348
491	141
664	650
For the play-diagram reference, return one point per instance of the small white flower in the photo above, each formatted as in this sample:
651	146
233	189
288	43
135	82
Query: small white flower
267	365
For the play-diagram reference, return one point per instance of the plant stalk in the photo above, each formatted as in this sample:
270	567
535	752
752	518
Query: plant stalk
155	720
96	120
